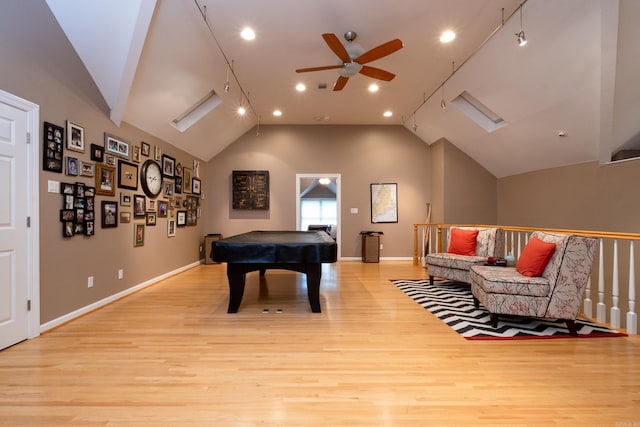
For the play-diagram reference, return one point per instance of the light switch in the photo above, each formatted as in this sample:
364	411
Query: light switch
354	210
53	186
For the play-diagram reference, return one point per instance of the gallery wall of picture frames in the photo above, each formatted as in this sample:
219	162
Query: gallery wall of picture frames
115	173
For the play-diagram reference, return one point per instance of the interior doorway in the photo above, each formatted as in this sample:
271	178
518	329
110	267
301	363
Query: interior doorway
318	203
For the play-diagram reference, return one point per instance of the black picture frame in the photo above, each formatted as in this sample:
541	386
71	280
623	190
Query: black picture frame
109	214
168	166
196	186
127	175
139	206
145	149
97	153
53	148
181	218
384	203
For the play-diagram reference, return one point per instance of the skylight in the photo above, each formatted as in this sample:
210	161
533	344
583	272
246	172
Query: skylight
478	112
197	111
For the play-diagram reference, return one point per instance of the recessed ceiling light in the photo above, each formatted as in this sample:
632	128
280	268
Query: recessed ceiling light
248	34
242	110
388	113
300	87
447	36
373	87
277	113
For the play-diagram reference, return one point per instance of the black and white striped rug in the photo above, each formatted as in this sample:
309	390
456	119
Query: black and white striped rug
453	304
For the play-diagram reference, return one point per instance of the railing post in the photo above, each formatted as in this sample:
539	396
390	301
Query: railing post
602	308
632	317
588	304
615	291
415	244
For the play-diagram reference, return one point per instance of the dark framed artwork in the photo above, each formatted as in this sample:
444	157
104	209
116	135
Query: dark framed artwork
151	218
168	166
195	186
97	153
135	154
109	213
53	148
181	218
145	149
127	175
104	180
186	180
139	206
116	145
71	166
384	203
178	185
163	209
75	137
250	190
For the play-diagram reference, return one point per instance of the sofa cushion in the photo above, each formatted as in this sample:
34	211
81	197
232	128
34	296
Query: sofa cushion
552	269
454	261
534	257
463	242
507	280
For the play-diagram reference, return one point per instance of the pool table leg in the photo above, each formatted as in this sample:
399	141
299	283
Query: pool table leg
314	274
236	277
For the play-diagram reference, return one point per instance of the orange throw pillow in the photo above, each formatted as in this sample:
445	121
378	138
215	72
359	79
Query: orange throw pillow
535	257
463	242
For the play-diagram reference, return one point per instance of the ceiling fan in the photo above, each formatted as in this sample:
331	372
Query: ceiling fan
353	59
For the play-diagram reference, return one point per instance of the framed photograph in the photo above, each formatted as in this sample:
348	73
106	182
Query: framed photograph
79	188
97	153
89	191
186	181
67	215
125	217
67	188
135	154
139	206
125	199
116	146
87	169
145	149
171	227
168	166
127	175
110	160
163	209
196	169
72	166
52	148
138	235
151	218
181	218
75	137
67	229
168	189
104	180
195	186
89	228
109	214
158	154
151	205
178	185
384	203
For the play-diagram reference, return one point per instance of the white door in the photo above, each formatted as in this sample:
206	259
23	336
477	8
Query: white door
14	233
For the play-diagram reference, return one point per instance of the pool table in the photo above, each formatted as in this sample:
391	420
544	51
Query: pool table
301	251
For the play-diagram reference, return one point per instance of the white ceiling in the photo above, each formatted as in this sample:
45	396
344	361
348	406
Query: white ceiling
162	59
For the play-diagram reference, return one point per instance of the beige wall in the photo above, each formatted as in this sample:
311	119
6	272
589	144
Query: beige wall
39	65
361	154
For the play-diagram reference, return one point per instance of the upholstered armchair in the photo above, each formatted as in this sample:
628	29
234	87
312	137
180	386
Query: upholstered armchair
455	266
556	294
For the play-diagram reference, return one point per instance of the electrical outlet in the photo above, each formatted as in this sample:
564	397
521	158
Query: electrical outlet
90	282
381	246
120	274
354	210
200	248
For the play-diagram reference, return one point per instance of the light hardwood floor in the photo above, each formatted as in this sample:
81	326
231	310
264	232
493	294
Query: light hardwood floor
170	355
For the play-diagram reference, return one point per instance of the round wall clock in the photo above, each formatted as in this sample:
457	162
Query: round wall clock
151	178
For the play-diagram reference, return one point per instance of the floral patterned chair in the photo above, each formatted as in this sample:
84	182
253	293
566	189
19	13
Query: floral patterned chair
452	266
556	294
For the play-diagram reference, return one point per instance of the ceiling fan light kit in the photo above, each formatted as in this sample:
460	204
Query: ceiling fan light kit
352	59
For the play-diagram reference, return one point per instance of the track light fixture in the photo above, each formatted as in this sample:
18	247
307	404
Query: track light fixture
522	40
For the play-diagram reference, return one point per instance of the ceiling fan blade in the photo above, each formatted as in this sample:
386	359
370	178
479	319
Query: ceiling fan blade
340	83
338	48
377	73
380	51
326	67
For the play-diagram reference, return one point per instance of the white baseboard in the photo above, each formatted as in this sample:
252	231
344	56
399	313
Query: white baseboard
94	306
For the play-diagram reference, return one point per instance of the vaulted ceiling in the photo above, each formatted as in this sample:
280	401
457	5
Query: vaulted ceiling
153	60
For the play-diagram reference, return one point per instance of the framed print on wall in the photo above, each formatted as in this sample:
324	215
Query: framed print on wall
104	180
186	180
139	206
138	235
116	146
171	227
168	166
127	175
72	166
195	186
109	213
75	137
97	153
145	149
384	203
53	148
181	218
